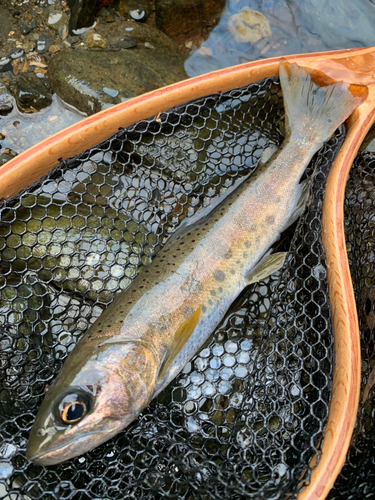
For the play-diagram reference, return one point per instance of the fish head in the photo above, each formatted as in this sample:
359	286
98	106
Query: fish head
84	409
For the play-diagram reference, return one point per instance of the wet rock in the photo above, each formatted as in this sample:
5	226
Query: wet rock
109	19
5	65
94	40
5	24
127	42
182	19
103	12
20	66
43	44
82	14
79	78
53	49
140	32
63	31
106	15
32	62
28	47
6	100
138	10
249	26
8	154
32	93
27	26
138	14
56	19
73	39
37	60
16	53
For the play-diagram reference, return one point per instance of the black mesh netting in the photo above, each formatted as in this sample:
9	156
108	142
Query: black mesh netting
247	414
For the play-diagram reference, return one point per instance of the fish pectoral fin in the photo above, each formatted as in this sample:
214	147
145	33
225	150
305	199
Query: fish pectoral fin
267	266
182	335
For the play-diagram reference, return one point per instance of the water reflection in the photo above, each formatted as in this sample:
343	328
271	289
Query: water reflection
19	131
259	29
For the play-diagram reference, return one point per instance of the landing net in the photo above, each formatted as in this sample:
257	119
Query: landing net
246	416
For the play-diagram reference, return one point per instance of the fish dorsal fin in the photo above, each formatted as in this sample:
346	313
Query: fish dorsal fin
267	266
182	335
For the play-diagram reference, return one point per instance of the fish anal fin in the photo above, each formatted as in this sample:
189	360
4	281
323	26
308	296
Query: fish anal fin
267	266
182	335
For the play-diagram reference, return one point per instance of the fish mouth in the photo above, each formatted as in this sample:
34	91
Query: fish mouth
61	452
72	448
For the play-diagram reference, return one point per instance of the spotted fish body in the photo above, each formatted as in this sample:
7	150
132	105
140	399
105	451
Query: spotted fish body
152	329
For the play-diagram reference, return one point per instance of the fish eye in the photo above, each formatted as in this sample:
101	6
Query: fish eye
73	408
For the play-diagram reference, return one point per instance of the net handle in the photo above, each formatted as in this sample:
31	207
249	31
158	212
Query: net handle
353	66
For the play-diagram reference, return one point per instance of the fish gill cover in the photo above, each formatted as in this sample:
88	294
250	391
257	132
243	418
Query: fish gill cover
247	414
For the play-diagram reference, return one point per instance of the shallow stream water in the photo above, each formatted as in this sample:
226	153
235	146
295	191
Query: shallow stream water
23	130
259	29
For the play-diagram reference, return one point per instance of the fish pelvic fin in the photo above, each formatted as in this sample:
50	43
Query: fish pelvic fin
315	112
182	335
267	154
268	265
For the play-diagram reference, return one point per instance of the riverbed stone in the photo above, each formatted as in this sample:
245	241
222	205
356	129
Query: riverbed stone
94	40
126	42
138	10
73	39
6	156
140	32
32	93
184	19
57	18
28	46
82	14
63	31
16	52
5	24
43	44
79	78
6	100
27	26
53	49
5	65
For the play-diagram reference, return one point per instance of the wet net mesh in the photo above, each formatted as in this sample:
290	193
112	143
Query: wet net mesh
246	416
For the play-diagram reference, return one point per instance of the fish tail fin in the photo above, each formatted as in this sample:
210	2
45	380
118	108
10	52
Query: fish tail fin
315	111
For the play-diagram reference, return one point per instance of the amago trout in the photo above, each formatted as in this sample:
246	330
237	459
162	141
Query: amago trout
152	329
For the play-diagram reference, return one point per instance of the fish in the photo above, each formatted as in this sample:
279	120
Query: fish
151	330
